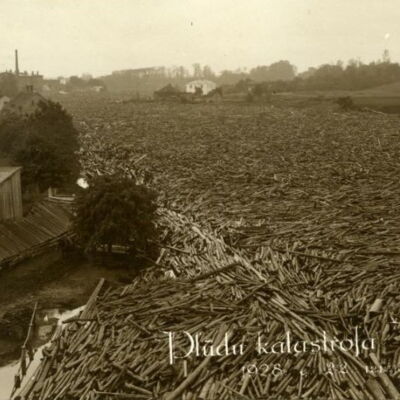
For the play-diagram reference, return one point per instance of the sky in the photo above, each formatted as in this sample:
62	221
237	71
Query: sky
72	37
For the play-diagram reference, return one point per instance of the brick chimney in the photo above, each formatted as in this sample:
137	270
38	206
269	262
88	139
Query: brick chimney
16	63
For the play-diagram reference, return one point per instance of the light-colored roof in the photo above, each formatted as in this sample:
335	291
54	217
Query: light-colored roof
6	172
201	82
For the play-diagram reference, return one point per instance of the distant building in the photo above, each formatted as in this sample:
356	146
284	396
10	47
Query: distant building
63	81
25	103
97	89
204	85
10	193
25	79
140	72
3	101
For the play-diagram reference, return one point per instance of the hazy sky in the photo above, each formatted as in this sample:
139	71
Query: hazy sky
65	37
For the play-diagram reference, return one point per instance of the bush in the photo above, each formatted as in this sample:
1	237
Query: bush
116	211
346	103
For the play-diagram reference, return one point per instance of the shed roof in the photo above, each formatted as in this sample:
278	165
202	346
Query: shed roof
7	172
26	97
45	223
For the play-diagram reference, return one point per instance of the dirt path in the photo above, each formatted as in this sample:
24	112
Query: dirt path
53	283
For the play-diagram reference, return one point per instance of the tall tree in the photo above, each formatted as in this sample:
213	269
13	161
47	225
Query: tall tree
44	143
208	73
114	210
197	71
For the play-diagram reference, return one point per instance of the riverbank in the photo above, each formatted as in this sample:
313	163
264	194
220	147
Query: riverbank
52	280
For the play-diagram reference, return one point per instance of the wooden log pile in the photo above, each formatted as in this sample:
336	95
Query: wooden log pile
287	221
119	349
260	175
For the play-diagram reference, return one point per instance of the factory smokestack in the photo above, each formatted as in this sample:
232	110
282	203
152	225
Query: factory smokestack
16	63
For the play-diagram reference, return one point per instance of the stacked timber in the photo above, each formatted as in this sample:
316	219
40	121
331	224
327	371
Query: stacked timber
121	346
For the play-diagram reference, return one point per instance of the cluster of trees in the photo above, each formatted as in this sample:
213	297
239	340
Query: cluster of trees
147	83
77	83
354	76
113	210
44	144
280	76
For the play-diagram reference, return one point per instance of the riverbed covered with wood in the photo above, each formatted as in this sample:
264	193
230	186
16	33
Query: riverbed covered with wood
274	221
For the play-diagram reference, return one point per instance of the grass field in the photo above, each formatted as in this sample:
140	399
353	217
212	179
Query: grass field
384	98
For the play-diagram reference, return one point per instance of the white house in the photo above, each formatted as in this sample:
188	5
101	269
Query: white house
205	85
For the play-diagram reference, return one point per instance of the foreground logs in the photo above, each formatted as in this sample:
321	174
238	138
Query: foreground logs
120	346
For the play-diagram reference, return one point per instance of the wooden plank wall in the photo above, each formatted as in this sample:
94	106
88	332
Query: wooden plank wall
11	197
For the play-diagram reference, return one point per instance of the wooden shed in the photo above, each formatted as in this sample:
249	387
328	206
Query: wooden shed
10	193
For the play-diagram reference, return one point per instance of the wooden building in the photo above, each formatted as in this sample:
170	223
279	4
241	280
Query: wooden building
10	193
25	79
25	103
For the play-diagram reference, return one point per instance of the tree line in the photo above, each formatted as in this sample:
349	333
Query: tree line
279	76
353	76
154	79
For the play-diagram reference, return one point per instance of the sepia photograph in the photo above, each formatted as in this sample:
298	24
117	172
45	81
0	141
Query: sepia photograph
200	200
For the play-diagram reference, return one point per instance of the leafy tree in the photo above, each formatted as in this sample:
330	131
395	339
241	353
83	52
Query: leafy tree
282	71
307	74
77	82
197	71
355	76
231	77
114	210
208	73
95	82
44	144
279	71
260	73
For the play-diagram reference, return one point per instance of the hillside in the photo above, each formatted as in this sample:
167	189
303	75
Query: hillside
390	90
